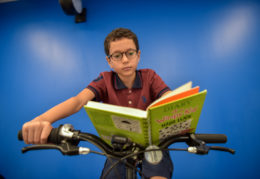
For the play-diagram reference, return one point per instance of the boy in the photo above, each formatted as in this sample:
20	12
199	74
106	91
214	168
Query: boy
123	86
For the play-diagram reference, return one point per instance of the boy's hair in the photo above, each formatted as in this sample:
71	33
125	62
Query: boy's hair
117	34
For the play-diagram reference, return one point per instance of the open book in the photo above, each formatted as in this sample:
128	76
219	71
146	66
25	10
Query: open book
175	113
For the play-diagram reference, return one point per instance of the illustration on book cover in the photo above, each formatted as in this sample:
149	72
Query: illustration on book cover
174	129
126	124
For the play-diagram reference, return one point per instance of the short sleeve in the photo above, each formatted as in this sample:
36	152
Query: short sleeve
157	86
98	87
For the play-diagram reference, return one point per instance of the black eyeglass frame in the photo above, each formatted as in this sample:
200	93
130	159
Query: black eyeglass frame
122	53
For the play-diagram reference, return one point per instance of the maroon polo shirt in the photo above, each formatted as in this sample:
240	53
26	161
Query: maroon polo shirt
148	86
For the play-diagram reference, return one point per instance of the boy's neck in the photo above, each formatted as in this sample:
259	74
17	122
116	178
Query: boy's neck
128	80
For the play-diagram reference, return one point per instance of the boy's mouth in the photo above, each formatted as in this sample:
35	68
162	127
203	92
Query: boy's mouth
126	68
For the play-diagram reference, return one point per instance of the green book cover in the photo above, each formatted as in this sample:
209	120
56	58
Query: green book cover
112	120
178	117
172	115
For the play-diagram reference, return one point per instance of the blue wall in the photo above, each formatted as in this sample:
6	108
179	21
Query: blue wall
46	58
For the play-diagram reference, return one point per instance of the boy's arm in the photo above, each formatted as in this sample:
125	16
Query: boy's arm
37	130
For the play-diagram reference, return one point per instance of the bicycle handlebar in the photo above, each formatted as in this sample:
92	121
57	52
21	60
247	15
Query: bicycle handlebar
207	138
65	139
55	138
71	136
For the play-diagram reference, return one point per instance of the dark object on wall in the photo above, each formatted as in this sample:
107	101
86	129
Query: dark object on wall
74	7
71	7
81	17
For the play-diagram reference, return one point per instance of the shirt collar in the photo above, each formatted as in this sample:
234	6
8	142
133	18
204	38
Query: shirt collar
118	84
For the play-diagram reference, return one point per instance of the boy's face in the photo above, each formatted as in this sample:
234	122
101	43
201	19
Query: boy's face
125	66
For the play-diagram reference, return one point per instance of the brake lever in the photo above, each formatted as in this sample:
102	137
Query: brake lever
200	147
65	148
225	149
39	147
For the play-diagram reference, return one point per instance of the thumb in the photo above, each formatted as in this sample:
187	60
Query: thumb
45	133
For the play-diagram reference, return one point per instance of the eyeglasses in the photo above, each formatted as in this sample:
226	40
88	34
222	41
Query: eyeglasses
117	56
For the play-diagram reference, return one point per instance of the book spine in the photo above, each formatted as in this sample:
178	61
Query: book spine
146	132
149	131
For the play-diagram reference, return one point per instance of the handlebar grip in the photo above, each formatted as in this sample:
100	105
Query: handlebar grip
54	136
212	138
20	135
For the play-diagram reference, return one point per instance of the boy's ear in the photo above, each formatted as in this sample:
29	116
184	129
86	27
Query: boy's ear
108	61
138	54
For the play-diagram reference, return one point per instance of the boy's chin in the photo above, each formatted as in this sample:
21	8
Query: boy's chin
127	73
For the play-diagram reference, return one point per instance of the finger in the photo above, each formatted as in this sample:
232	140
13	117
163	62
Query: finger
25	134
45	133
37	135
30	136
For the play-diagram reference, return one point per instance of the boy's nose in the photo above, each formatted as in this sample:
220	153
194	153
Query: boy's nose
124	58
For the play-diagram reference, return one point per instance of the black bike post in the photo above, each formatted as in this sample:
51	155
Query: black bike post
130	172
118	143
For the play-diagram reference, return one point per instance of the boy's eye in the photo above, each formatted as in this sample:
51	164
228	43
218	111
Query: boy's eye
117	55
131	53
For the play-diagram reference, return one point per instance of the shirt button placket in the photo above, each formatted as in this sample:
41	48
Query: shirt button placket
129	99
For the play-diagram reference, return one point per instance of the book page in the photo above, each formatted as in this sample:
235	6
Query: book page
178	90
117	109
176	97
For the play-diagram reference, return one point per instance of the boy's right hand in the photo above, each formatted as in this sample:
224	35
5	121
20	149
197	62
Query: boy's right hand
36	131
